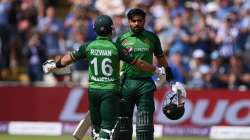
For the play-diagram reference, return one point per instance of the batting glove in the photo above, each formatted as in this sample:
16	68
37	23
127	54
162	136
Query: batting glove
160	72
49	66
179	89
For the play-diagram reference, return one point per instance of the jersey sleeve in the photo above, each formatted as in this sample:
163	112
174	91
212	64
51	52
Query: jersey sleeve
125	54
79	53
157	47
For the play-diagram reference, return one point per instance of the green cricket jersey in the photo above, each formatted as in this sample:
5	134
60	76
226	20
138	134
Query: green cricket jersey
104	62
143	45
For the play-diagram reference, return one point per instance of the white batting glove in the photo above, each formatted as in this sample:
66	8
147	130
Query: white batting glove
49	66
179	89
160	73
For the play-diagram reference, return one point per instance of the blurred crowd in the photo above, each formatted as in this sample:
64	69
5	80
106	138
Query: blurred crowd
206	42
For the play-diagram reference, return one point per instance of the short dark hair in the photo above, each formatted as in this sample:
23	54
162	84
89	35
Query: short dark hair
136	11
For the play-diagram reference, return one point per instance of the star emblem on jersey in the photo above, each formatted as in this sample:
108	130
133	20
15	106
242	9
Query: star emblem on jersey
125	42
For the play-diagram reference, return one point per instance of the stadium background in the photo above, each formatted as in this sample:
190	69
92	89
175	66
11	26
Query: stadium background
206	43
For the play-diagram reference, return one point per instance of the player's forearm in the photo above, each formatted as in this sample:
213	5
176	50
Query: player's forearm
143	65
64	61
162	61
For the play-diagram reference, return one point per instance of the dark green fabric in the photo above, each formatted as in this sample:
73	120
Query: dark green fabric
138	87
144	45
104	62
104	81
139	93
103	106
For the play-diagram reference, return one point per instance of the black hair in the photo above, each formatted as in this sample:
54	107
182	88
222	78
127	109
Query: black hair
136	11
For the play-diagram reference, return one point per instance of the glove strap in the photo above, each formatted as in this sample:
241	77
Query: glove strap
59	64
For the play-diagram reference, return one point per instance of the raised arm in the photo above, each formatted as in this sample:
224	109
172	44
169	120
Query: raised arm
51	65
64	61
143	65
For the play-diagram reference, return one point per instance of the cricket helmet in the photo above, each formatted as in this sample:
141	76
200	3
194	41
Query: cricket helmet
103	25
172	108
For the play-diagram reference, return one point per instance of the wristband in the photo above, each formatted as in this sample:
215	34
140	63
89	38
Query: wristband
59	64
169	74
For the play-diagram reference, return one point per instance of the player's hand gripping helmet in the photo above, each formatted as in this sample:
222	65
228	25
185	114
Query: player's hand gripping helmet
173	106
103	25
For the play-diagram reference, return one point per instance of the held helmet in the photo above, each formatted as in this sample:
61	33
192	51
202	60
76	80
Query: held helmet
173	106
103	25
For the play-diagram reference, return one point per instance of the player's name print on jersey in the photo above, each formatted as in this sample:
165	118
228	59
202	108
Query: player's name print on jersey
100	52
141	49
102	79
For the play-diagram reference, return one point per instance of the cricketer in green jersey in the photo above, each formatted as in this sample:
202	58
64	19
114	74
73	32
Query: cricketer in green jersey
104	82
138	87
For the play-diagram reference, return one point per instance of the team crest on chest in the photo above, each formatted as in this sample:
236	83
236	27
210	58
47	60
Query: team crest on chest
127	51
125	42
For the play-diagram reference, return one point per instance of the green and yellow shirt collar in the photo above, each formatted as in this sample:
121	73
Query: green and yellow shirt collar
103	38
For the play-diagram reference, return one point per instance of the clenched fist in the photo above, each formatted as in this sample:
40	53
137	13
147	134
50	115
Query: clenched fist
49	66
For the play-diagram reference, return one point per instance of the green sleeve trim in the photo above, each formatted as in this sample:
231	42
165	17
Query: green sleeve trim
79	53
72	56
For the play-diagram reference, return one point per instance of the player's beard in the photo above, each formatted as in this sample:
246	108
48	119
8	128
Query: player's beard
137	30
